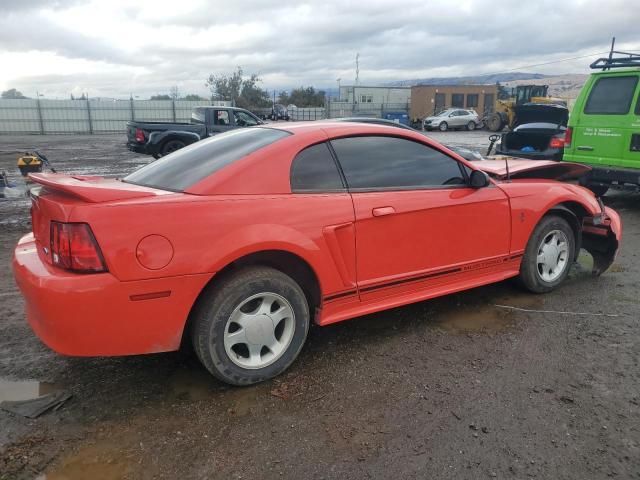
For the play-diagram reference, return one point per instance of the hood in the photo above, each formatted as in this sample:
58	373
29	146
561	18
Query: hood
496	167
540	113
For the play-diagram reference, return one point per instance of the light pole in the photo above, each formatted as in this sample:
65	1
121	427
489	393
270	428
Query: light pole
338	80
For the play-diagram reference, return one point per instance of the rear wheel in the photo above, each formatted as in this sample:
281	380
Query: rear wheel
471	126
172	146
250	326
548	256
443	127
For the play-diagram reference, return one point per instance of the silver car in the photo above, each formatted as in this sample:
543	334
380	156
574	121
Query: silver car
452	118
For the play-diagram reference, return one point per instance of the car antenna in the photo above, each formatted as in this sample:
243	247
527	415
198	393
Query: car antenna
506	164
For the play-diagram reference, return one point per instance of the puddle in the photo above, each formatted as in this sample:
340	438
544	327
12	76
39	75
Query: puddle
485	318
200	385
19	390
476	319
95	462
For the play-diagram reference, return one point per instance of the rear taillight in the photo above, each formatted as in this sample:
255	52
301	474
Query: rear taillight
557	142
73	247
140	135
567	137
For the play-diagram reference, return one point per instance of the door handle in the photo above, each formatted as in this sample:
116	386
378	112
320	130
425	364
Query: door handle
382	211
585	148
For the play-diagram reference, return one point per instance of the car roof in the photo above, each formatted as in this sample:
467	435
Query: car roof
220	106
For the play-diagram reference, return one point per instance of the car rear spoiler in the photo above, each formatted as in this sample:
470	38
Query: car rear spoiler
93	189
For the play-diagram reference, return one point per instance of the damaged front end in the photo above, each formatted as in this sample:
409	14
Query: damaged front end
601	235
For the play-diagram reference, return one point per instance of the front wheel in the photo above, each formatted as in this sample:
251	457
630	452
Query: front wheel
251	325
443	127
471	126
548	256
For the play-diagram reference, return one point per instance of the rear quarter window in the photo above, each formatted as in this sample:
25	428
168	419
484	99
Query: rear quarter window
611	96
188	166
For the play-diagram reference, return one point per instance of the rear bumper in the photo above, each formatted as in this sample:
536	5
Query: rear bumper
98	315
549	154
137	147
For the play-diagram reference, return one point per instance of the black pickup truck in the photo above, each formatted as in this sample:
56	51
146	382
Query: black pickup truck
162	138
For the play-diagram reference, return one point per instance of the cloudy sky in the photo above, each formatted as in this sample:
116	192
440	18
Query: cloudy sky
117	47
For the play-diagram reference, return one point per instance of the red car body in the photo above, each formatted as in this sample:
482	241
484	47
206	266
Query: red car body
366	251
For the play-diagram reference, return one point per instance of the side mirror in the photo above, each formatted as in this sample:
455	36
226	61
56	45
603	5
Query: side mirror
478	179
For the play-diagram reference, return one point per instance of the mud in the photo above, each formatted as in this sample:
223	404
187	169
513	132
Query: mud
453	388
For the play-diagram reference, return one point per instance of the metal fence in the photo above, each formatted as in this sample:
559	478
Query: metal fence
89	116
40	116
376	110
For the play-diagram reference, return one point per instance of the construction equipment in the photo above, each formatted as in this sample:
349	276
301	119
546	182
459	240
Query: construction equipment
521	94
33	163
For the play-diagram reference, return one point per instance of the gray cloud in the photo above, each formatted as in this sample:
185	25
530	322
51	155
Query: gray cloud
291	44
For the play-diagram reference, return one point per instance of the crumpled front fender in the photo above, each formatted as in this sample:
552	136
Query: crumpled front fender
601	237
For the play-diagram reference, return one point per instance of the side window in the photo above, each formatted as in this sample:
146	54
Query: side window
245	120
391	162
472	100
221	117
611	96
314	169
637	112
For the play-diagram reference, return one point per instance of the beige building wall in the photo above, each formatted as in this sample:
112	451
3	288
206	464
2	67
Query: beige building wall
427	100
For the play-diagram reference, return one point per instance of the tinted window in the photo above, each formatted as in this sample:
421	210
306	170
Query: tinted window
244	119
637	112
611	95
388	162
315	169
183	168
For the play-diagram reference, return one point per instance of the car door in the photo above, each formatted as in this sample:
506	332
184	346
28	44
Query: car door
220	121
417	220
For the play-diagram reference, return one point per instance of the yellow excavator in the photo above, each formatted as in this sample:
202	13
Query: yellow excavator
503	114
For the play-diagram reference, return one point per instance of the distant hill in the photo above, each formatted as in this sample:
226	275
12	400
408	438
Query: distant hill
562	86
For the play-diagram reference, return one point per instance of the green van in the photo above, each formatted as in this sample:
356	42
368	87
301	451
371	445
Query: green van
604	126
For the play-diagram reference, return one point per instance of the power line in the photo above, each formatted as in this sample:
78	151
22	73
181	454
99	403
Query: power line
545	63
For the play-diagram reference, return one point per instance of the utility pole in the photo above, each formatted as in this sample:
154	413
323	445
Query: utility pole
338	80
357	68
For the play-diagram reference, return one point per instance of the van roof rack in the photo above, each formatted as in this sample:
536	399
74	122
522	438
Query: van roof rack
628	59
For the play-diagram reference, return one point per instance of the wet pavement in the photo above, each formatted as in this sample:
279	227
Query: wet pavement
455	388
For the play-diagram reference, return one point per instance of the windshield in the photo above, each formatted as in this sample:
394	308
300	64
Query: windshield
444	113
186	167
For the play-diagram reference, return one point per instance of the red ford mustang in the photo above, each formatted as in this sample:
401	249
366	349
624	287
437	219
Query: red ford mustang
237	243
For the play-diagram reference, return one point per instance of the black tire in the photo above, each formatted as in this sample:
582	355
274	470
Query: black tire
471	126
171	146
220	300
598	190
443	127
530	275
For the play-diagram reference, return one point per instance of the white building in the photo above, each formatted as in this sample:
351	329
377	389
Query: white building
374	95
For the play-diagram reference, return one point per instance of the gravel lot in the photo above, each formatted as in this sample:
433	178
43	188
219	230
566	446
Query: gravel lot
454	388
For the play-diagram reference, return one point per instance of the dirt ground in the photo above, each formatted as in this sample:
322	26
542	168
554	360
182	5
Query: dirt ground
454	388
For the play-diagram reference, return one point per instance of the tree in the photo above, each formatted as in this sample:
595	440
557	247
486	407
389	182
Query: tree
174	93
13	94
192	97
160	97
304	97
243	92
